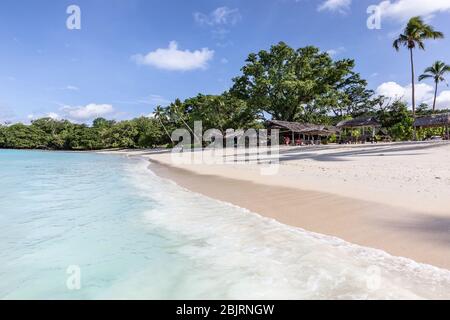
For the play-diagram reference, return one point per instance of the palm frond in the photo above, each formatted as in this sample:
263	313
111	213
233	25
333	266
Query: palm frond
425	76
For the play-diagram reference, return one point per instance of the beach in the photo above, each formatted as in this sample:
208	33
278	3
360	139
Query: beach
392	197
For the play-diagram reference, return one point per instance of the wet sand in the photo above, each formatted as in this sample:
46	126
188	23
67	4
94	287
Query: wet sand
391	197
422	237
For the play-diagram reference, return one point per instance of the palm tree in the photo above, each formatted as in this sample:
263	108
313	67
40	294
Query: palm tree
177	111
437	72
413	36
159	114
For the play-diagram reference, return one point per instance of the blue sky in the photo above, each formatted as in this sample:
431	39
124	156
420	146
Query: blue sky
131	55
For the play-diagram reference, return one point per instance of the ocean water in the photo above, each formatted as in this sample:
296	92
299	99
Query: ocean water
133	235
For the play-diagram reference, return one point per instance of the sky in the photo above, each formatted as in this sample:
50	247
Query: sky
120	58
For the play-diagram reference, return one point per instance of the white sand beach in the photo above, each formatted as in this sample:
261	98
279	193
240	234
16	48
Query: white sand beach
394	197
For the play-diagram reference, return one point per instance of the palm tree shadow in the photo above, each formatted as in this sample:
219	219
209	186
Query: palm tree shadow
397	150
428	227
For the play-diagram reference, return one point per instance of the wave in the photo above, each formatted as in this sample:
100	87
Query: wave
238	254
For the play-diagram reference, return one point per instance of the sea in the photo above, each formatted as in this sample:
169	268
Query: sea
96	226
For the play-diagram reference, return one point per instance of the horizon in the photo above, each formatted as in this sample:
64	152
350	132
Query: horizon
136	57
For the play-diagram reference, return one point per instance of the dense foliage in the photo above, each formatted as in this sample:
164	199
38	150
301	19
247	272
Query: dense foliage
301	85
53	134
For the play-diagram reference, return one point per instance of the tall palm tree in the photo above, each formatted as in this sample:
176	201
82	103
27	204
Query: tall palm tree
437	72
414	35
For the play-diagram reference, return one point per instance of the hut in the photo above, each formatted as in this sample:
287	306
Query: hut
302	133
362	124
434	121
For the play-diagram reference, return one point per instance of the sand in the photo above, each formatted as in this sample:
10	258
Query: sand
393	197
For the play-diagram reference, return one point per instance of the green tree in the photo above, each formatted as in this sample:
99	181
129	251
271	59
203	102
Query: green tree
414	35
436	72
296	85
423	109
161	116
397	119
220	112
3	130
21	136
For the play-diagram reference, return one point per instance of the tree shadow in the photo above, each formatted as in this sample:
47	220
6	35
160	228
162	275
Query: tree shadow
392	150
429	227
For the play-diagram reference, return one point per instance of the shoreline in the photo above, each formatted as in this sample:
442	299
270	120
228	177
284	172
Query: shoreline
346	221
309	193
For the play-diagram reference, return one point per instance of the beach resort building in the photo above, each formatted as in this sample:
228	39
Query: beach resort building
295	133
367	126
434	121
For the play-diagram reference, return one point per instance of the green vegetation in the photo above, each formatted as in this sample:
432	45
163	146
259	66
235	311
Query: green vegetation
52	134
398	121
301	85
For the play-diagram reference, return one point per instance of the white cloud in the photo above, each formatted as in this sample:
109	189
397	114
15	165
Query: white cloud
341	6
402	10
443	100
391	90
153	99
220	16
424	94
72	88
335	52
52	115
173	59
88	112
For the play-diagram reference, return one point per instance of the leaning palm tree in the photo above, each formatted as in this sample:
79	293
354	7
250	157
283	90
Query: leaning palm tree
414	35
436	72
159	114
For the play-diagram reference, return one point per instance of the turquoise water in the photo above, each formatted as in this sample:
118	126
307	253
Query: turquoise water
134	235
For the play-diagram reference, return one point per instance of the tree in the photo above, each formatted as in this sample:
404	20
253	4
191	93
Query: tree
296	85
414	35
220	112
436	72
160	115
20	136
149	132
353	98
52	130
423	109
397	119
3	130
47	133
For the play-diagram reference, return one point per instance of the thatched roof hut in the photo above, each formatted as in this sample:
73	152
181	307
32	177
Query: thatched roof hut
360	122
303	128
436	120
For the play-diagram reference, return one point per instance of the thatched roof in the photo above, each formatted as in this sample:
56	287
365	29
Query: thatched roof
437	120
303	128
368	121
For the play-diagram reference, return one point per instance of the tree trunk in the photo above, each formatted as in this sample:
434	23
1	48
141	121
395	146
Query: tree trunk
167	132
413	78
435	96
